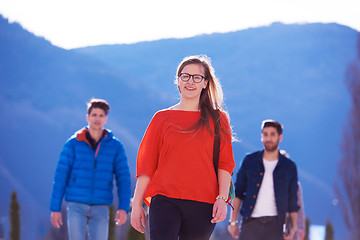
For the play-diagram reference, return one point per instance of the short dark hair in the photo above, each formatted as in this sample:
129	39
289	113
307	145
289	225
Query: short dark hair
98	103
272	123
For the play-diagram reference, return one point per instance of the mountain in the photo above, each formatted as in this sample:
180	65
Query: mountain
43	96
291	73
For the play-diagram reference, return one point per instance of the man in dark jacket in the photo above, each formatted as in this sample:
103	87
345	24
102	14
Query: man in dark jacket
84	175
266	189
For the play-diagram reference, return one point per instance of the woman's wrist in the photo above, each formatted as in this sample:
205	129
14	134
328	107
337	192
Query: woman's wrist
136	202
222	197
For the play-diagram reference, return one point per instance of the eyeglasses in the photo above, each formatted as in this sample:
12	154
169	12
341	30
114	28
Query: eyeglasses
186	77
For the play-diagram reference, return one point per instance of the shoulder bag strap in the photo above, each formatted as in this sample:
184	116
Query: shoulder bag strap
216	149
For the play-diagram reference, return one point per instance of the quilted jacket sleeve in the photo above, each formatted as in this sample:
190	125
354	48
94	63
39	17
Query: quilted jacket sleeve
62	174
123	180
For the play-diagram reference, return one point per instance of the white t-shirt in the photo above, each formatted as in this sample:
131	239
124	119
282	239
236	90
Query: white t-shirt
265	202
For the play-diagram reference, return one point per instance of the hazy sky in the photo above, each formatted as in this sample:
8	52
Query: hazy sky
79	23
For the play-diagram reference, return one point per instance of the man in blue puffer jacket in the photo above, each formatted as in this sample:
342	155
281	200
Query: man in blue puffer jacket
84	175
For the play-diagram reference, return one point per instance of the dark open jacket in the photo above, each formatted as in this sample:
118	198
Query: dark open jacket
249	179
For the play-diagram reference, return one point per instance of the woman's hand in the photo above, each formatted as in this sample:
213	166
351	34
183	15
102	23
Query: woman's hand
220	205
138	220
219	211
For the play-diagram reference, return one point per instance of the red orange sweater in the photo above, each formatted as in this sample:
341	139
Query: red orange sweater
180	164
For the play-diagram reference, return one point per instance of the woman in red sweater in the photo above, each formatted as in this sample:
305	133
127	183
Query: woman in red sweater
175	172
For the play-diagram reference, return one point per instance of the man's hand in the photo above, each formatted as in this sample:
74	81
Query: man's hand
301	234
120	217
56	219
291	234
234	231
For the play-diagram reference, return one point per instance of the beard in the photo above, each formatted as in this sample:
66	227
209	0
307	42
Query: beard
269	147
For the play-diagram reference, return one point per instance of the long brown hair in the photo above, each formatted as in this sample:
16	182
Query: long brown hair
211	98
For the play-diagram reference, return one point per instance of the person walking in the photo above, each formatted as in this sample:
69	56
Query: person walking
266	189
84	175
175	171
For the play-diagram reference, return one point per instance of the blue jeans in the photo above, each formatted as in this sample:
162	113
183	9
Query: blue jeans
93	218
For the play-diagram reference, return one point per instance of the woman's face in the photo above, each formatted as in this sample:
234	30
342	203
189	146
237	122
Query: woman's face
189	88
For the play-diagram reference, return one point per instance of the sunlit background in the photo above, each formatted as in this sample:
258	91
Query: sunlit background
80	23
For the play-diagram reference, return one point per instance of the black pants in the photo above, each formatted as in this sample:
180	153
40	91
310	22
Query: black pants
173	219
268	228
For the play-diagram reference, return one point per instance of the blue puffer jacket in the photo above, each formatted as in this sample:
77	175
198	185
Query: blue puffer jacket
86	175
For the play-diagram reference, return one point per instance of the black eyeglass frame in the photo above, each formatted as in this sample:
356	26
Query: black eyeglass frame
191	76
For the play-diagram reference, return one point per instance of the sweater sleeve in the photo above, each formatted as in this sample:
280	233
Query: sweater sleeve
62	173
149	150
123	179
226	157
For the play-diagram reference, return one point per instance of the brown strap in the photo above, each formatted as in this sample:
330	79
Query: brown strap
216	149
